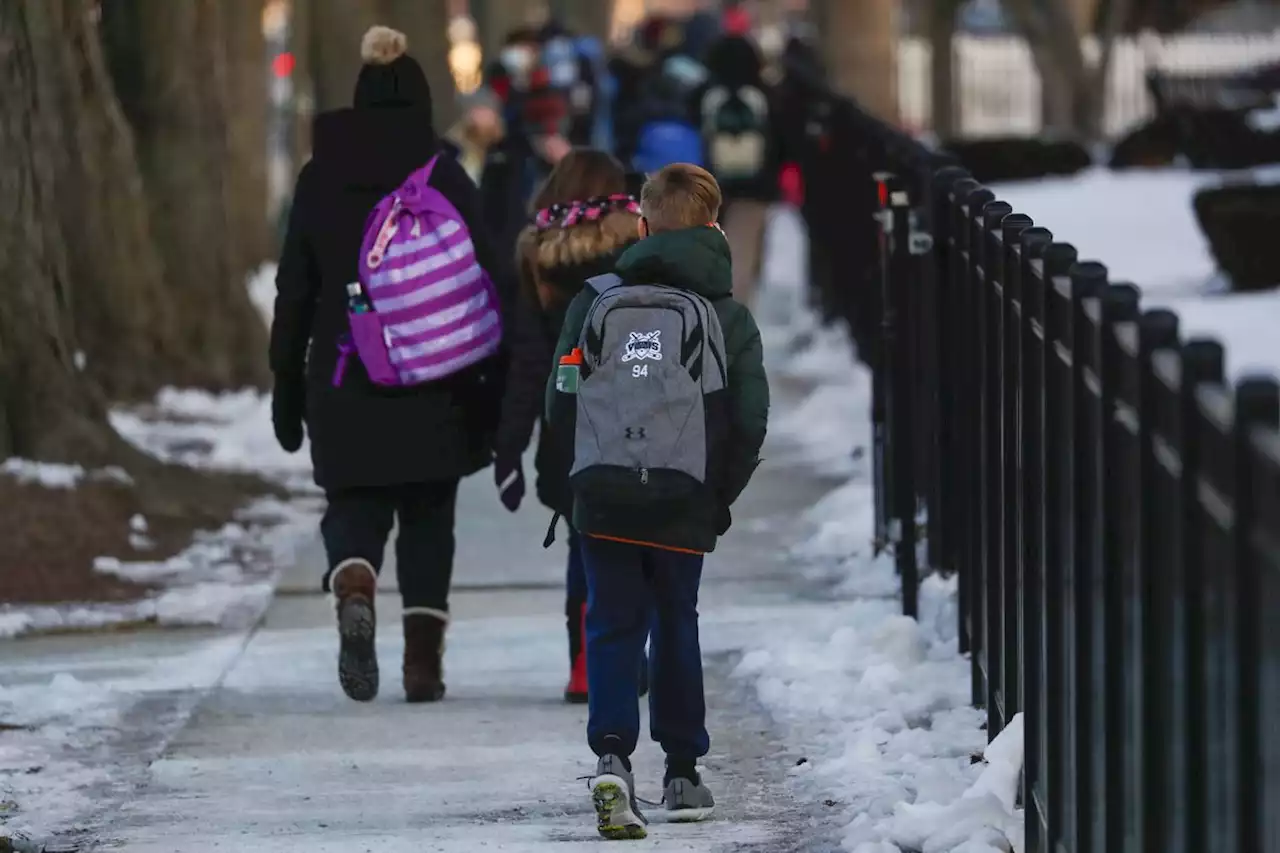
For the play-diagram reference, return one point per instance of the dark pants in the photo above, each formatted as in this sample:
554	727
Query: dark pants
358	522
575	582
630	589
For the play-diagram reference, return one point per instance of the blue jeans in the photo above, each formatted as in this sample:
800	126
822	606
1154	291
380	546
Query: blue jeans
630	589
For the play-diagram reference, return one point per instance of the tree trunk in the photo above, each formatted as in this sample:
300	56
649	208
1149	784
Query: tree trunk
861	41
334	29
122	312
169	59
426	23
246	53
942	31
48	409
1074	92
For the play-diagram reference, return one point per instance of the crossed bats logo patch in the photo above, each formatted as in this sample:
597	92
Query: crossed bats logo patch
643	345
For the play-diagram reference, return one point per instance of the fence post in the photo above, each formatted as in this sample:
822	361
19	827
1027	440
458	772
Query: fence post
942	511
1047	792
1139	644
1118	304
878	356
989	272
900	349
1088	280
968	201
1265	566
1257	407
1186	783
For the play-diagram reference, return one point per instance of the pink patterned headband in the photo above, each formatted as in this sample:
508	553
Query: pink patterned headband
569	214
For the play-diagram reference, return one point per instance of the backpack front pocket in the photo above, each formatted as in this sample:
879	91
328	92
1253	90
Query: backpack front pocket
371	345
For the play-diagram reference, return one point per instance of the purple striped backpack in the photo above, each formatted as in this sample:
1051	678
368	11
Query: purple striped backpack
423	308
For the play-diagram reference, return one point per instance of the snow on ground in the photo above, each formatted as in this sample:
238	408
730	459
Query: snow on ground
55	475
219	432
879	703
1142	226
61	726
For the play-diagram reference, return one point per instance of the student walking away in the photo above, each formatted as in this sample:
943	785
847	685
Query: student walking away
743	151
661	389
399	385
583	222
669	132
496	161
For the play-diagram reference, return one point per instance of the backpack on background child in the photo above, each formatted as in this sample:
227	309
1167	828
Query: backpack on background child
735	125
423	308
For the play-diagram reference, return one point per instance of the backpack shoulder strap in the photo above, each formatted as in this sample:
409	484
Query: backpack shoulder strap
601	283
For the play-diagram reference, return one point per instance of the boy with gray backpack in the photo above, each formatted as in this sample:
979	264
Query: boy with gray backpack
661	401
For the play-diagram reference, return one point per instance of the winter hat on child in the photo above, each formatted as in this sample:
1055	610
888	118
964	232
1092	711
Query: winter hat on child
390	77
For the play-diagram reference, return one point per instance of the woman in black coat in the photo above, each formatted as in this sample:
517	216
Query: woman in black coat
378	453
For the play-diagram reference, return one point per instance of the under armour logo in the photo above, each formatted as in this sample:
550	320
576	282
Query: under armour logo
635	434
642	345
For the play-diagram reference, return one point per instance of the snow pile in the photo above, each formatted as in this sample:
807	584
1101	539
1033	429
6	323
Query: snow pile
54	475
879	703
220	432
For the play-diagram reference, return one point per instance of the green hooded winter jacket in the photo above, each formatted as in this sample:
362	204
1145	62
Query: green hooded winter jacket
697	260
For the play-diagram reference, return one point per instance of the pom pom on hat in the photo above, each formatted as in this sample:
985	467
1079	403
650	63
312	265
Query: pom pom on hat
383	46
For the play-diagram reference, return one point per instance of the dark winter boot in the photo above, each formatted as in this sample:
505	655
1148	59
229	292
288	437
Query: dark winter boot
354	584
424	654
575	692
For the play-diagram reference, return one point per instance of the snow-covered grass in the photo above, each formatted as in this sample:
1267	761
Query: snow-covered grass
1142	226
226	576
56	475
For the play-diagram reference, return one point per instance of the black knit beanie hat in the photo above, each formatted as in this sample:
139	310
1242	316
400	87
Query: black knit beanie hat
390	77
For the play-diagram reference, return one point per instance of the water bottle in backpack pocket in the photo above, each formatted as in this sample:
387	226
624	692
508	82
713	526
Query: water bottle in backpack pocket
650	413
423	308
735	123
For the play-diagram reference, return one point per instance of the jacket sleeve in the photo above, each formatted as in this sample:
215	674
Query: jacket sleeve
574	319
297	288
749	403
527	375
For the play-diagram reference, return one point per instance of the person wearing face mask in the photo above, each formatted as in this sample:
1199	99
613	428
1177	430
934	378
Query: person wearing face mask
495	161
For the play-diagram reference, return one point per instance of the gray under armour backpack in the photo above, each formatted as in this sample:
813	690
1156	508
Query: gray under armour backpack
651	407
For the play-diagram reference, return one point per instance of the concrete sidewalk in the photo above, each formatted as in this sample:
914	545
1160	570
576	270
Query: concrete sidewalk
276	759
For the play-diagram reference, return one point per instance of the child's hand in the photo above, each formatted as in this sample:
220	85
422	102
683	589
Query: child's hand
508	476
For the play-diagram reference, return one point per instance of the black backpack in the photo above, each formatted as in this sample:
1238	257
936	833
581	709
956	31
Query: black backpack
735	126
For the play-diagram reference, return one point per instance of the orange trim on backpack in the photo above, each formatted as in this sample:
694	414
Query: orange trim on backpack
622	541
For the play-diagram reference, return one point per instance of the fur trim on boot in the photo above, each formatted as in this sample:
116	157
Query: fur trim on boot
424	630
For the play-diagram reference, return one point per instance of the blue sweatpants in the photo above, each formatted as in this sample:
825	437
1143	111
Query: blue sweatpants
632	589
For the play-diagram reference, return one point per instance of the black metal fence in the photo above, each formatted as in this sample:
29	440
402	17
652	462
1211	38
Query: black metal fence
1109	502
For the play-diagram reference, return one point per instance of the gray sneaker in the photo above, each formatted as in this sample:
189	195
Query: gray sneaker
613	793
687	801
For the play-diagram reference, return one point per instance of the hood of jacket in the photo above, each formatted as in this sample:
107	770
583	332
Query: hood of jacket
693	259
375	148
